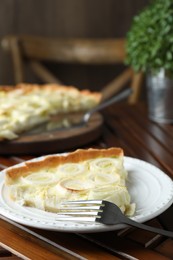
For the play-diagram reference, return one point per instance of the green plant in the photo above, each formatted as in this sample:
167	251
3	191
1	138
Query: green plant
150	38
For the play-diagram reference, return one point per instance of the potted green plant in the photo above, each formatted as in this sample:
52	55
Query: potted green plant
149	48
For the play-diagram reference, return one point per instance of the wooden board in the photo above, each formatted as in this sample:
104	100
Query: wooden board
54	141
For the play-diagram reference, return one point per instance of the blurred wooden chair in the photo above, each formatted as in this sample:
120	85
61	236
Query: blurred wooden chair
34	50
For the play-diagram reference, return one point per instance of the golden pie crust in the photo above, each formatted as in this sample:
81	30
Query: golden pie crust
52	161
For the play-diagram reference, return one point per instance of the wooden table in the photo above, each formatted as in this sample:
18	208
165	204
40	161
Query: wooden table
127	127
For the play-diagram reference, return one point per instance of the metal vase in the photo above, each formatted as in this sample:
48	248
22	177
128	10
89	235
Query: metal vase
160	97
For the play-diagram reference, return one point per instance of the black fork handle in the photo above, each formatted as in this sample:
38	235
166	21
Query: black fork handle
146	227
120	96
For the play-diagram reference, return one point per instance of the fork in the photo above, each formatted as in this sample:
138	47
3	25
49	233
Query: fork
101	211
120	96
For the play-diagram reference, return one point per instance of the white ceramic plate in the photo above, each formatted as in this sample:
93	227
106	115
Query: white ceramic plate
150	188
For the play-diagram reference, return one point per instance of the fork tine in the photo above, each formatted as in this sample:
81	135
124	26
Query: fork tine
76	218
82	210
81	202
73	208
81	205
78	213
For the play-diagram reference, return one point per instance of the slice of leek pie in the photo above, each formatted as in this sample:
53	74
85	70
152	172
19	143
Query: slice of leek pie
80	175
26	106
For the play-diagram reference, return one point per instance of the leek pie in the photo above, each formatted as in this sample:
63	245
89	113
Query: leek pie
83	174
25	106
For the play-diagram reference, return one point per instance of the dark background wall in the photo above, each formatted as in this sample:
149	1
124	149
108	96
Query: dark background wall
67	18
